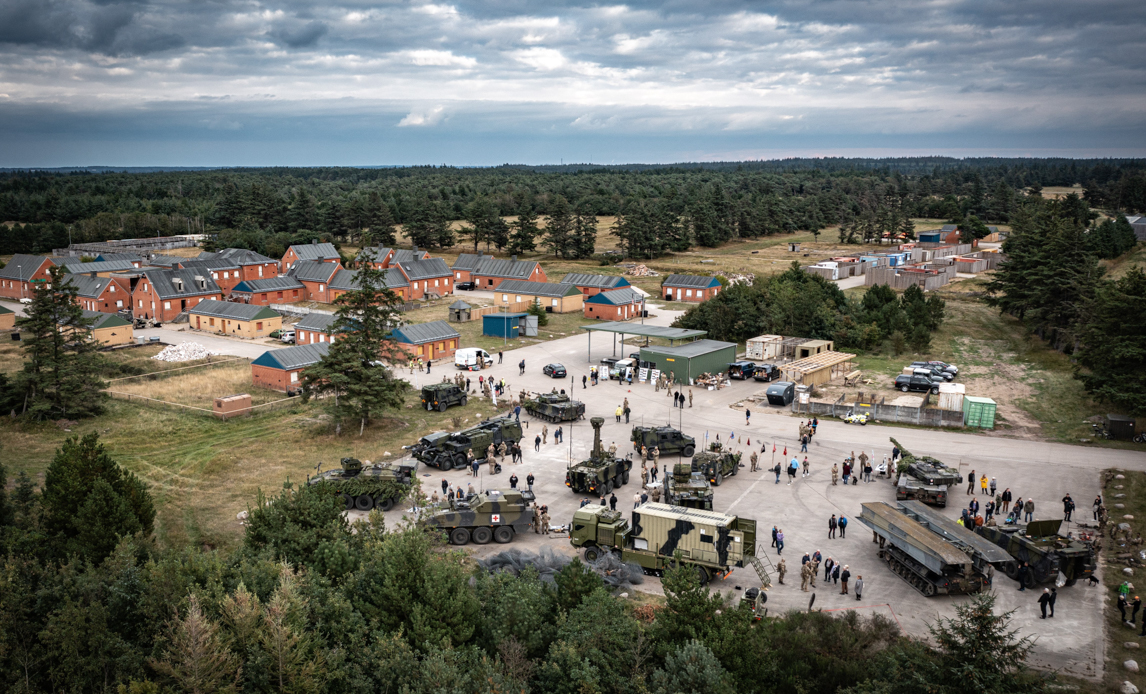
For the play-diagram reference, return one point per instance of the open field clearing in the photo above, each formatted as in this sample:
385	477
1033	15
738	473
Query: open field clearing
198	387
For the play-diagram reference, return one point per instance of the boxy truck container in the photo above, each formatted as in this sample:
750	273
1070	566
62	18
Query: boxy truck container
711	542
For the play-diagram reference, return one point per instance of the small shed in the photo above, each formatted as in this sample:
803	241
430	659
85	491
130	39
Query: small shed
978	412
793	247
951	396
692	359
1120	426
460	312
232	406
7	318
930	237
763	347
110	328
505	325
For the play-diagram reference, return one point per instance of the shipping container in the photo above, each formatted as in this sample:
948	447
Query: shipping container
656	525
978	412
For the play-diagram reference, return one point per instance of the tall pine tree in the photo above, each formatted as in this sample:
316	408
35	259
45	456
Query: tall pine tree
524	232
559	228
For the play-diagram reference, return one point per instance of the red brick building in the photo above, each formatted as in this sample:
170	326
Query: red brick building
321	252
695	288
492	272
381	258
314	328
614	305
252	266
433	340
164	294
103	294
315	276
281	369
595	284
19	277
430	276
226	274
274	290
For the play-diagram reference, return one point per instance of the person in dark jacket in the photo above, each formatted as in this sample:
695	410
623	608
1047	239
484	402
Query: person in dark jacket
1054	597
774	531
1044	600
1067	507
513	481
445	486
836	573
832	523
844	576
843	526
528	479
612	502
1024	571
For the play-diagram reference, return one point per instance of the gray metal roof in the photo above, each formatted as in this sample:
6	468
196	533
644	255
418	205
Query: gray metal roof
293	357
617	297
425	269
319	322
101	320
373	254
316	251
164	283
548	289
420	333
134	257
509	269
701	281
402	255
345	279
87	286
168	260
232	310
948	228
597	281
470	261
242	256
313	271
644	330
78	267
268	284
460	304
213	264
693	349
22	267
395	279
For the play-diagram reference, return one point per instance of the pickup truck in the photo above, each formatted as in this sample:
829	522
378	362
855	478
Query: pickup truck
919	384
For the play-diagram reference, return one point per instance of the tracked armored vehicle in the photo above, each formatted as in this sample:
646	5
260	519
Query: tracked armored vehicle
439	396
446	451
1048	553
671	441
715	464
495	514
687	488
909	488
925	468
361	487
712	543
601	473
554	407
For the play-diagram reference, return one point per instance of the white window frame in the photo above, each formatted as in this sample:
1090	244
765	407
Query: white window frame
166	305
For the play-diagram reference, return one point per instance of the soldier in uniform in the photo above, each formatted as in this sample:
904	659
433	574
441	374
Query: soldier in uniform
754	459
815	564
644	453
835	473
781	568
656	456
489	453
544	434
804	575
644	474
544	521
613	450
656	494
501	451
536	519
434	497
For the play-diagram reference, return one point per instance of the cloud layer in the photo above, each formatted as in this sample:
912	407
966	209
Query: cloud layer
484	83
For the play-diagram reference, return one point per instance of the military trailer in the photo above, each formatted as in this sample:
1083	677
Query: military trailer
687	488
364	488
910	488
446	451
716	463
439	396
670	441
495	514
1048	553
753	601
601	473
554	407
927	561
712	543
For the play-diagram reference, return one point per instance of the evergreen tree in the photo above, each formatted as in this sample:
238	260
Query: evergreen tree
1113	343
352	375
60	378
691	669
196	660
559	229
977	650
523	233
584	241
379	219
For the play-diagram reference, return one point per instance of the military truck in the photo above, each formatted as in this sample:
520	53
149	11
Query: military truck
670	441
1048	553
601	473
687	488
439	396
554	407
716	463
446	451
910	488
712	543
928	561
495	514
361	487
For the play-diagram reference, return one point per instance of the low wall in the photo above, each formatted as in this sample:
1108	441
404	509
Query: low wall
884	413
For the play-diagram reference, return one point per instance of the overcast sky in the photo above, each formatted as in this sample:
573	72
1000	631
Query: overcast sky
352	82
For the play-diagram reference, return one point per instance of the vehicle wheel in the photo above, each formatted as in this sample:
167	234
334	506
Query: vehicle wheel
625	477
1011	569
719	479
442	407
935	390
445	464
609	487
763	597
482	535
929	590
384	504
464	399
1030	582
1071	581
459	536
364	502
688	451
903	388
503	534
347	501
592	554
702	575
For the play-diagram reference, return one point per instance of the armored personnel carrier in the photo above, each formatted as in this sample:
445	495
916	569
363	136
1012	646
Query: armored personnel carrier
687	488
925	468
716	463
1048	553
670	441
446	451
710	542
495	514
601	473
377	486
554	407
439	396
910	488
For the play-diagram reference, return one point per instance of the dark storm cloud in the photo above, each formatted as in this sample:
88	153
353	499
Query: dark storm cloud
304	36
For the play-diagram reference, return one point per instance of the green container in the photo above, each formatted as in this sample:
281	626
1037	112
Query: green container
979	412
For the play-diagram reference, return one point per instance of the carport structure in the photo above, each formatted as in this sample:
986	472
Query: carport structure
646	331
818	368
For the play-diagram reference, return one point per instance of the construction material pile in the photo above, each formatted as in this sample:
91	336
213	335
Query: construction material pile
186	351
641	271
737	278
717	381
548	564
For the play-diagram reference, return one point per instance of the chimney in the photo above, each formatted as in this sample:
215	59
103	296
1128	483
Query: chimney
513	257
91	274
481	254
314	242
415	249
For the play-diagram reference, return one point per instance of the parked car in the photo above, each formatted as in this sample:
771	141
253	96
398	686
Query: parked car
742	370
554	371
466	286
286	335
766	373
936	372
918	384
941	365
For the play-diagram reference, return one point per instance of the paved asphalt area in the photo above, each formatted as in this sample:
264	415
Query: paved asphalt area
1072	641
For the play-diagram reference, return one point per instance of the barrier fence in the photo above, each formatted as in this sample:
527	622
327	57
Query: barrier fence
883	413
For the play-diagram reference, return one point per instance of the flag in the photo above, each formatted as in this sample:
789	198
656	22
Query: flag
773	446
785	451
749	442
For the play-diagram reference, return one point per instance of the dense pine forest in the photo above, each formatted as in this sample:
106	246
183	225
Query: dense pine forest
660	208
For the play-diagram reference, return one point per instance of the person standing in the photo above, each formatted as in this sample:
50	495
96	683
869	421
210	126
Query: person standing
1134	607
843	526
994	485
475	466
845	575
1029	510
1097	503
859	586
815	425
805	573
513	481
832	523
529	481
613	502
983	484
521	368
445	486
1044	600
1024	571
627	412
807	467
620	411
537	442
747	416
970	481
782	568
776	470
836	572
779	542
584	382
835	473
804	443
774	531
1067	507
828	564
544	520
753	459
1006	505
1054	597
690	397
636	500
894	453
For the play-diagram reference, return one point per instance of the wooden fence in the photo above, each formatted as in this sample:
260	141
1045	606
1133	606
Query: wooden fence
514	307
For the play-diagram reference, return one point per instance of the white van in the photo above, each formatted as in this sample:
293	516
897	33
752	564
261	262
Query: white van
619	369
472	359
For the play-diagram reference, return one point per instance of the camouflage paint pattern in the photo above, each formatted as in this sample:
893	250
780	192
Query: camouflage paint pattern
554	407
446	450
